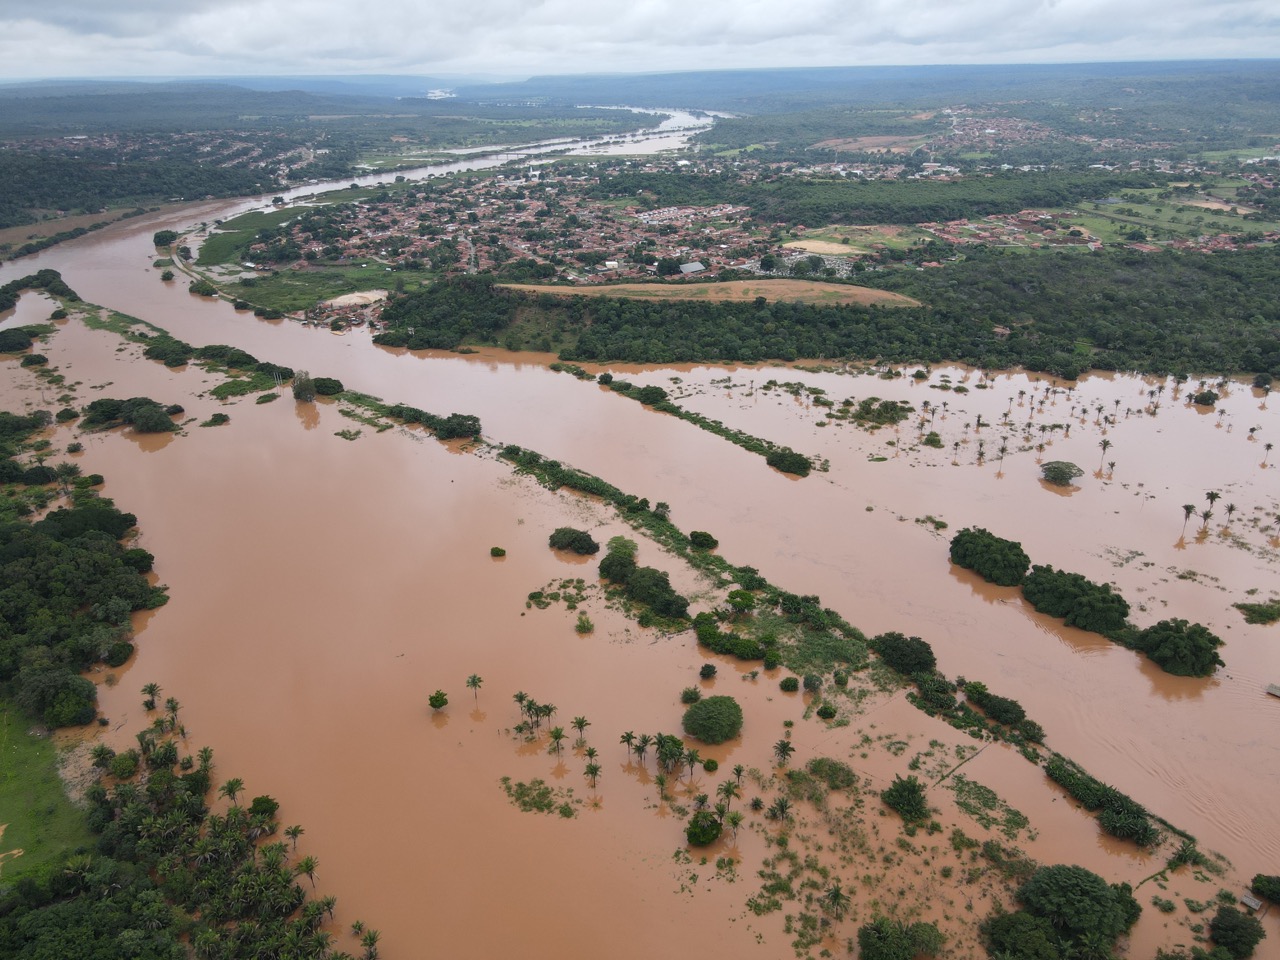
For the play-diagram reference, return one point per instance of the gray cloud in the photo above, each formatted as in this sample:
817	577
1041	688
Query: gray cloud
203	37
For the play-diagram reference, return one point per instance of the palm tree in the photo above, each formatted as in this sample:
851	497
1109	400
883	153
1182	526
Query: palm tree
780	809
231	789
661	781
473	684
1105	445
557	735
1212	496
728	791
521	698
293	833
1187	510
1206	516
628	739
1231	508
591	753
151	691
643	743
307	866
370	943
734	820
1267	448
591	772
738	771
783	750
692	758
835	901
580	724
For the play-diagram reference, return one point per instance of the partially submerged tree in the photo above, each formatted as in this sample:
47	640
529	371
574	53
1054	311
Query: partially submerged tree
1060	472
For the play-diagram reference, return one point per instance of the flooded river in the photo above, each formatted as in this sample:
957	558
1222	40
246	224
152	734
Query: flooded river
323	588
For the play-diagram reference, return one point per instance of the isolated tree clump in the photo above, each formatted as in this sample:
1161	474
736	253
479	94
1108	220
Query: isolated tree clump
701	540
304	388
1267	886
1236	932
995	559
703	829
907	798
1060	472
1080	602
570	538
1079	903
907	655
714	720
327	386
788	461
885	939
1181	649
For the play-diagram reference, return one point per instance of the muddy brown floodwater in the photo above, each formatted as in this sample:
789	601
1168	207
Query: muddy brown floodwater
322	588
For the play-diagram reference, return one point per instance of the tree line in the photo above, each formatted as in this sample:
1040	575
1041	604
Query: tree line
1062	313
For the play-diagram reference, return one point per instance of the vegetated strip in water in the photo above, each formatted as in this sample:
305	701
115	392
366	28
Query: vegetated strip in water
827	640
1173	645
779	457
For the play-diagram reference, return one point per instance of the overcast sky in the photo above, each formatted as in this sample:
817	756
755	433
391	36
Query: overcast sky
75	38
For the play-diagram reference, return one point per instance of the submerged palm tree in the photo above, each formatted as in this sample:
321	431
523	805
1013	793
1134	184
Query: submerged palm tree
628	740
1267	447
1105	445
835	901
783	750
591	772
473	684
1230	508
1187	510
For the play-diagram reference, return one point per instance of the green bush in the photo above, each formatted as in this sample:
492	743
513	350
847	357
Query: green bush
714	719
1079	903
701	540
788	461
885	939
327	386
907	798
995	559
690	695
497	552
707	671
1080	602
572	539
827	711
1236	932
1267	886
1060	472
703	829
124	765
711	765
789	684
812	683
1181	649
907	655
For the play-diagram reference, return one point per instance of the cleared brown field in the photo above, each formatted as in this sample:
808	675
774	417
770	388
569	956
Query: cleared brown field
803	291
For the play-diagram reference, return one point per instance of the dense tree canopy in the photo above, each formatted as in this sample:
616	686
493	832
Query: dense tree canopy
713	719
995	559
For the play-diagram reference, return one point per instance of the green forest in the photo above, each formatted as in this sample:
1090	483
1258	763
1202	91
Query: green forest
1062	313
798	200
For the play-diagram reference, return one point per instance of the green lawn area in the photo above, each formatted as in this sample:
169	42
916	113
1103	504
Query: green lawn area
224	245
292	290
39	819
